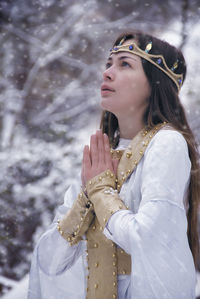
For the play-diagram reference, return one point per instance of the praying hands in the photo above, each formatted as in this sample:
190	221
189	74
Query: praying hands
97	158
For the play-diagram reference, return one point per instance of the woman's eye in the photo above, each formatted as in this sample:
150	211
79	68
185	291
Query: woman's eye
108	65
124	63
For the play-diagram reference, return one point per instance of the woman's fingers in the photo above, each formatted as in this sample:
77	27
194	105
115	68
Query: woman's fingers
86	166
108	157
101	149
97	158
82	175
86	158
94	150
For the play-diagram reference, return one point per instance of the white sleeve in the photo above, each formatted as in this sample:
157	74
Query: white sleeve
156	236
53	252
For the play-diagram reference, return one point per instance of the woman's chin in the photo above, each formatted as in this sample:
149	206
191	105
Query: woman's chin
105	105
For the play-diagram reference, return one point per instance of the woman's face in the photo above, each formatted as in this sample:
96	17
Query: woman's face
125	89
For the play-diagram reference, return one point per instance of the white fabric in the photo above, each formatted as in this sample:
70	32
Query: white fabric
153	231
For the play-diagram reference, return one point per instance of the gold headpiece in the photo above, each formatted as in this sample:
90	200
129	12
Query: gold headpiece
157	60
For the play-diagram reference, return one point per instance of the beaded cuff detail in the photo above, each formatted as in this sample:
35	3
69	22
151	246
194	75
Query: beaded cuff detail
77	221
104	196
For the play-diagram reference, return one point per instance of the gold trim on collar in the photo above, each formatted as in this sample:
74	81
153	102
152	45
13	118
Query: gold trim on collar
133	154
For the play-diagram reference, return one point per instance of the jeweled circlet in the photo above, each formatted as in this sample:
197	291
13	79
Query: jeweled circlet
157	60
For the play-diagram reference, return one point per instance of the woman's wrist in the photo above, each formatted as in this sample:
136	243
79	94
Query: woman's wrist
84	190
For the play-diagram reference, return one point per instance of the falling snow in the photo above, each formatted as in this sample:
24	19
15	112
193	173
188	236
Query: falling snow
52	58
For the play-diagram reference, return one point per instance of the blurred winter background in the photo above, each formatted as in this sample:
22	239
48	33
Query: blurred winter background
52	54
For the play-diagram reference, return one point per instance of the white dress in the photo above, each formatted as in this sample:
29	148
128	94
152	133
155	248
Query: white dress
153	231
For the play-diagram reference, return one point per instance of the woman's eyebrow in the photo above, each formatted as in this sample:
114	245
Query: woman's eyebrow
122	57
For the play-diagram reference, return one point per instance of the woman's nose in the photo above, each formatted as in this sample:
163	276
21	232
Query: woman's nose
108	74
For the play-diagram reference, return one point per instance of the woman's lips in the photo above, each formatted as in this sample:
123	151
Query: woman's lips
106	89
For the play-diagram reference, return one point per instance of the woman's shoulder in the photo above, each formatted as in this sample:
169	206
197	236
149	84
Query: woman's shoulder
168	138
170	133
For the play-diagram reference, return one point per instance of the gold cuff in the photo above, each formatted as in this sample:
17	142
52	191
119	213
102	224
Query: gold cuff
77	220
105	198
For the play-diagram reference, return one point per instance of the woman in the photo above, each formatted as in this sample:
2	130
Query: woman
130	231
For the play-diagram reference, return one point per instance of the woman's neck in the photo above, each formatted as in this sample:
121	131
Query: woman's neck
129	128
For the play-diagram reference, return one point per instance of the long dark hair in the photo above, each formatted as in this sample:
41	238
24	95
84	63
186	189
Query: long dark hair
164	105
